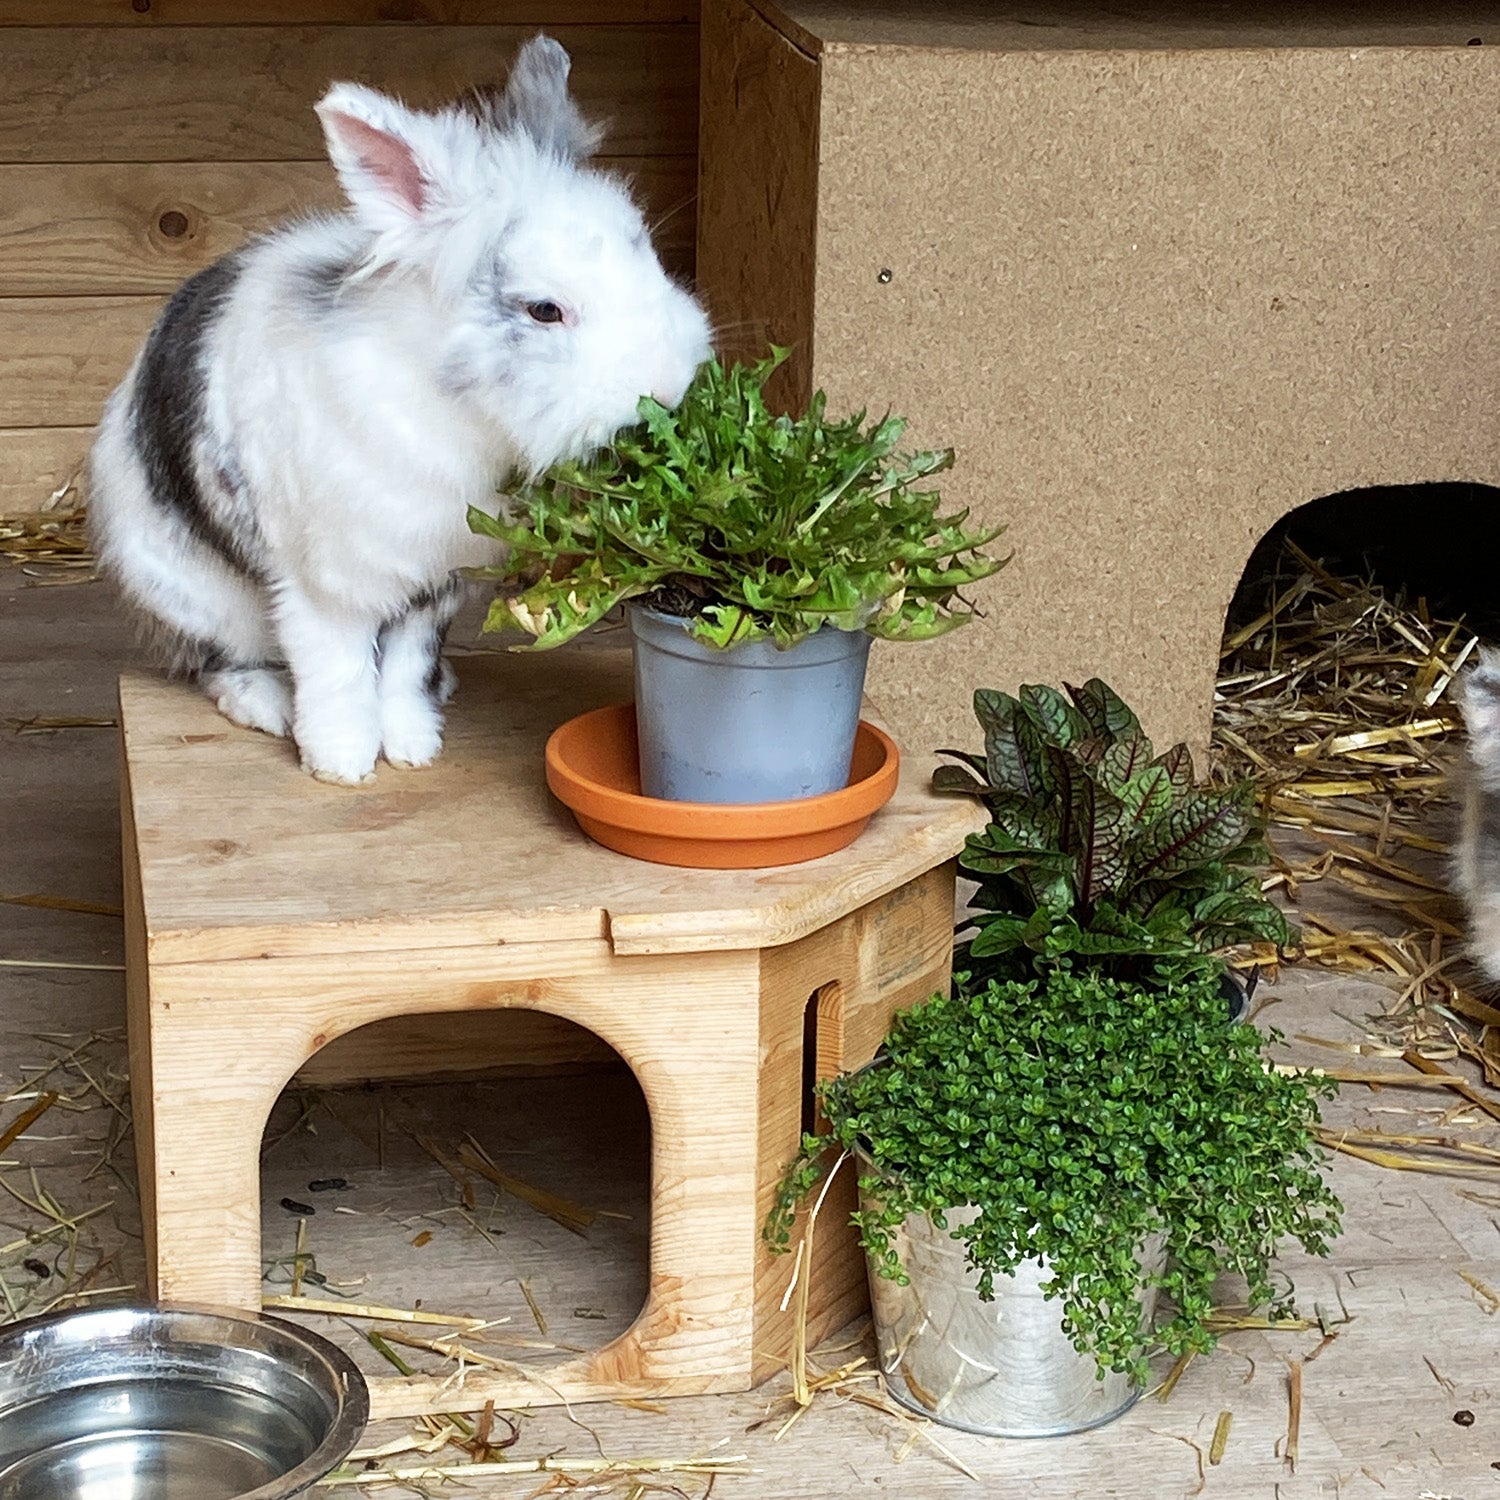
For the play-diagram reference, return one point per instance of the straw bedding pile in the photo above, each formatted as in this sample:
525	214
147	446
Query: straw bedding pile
1341	702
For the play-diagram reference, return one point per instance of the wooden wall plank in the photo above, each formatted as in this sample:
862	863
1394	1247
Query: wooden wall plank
356	12
246	93
92	228
96	228
63	355
756	247
35	461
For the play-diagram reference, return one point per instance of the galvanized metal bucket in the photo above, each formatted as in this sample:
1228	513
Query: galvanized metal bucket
1003	1368
751	724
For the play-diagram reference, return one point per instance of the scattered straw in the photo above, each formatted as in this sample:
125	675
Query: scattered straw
371	1312
1460	1086
451	1349
51	723
1234	1320
51	963
1488	1298
531	1302
594	1467
299	1258
1177	1437
1294	1413
50	545
1403	1161
61	1253
25	1120
62	903
564	1211
1164	1391
1221	1437
472	1158
1339	702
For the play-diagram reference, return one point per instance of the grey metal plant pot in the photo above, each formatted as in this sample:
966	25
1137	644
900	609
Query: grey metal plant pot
751	724
1003	1368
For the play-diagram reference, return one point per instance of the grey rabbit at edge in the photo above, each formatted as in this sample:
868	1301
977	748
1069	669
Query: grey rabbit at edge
1477	848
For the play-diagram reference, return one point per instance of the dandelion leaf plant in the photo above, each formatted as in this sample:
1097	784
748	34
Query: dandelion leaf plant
750	524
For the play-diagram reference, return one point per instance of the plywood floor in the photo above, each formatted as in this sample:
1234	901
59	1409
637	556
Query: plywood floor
1384	1400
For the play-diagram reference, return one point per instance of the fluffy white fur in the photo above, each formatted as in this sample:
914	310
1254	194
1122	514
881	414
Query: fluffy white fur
350	420
1477	850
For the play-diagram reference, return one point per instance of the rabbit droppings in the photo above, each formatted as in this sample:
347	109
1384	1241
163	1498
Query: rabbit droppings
1477	853
280	485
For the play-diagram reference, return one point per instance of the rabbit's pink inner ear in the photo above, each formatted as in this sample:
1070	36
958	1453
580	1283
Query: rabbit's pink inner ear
386	158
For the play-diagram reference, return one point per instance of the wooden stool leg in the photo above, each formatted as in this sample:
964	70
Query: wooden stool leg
828	1001
200	1106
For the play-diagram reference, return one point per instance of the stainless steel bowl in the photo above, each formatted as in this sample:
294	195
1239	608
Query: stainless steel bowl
142	1403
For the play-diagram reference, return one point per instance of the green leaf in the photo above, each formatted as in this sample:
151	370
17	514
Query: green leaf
1203	826
1145	798
1122	761
1097	821
1178	764
957	779
1108	716
1012	752
997	935
1061	724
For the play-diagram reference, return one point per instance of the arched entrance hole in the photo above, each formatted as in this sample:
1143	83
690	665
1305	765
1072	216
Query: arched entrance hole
1343	645
489	1165
1424	545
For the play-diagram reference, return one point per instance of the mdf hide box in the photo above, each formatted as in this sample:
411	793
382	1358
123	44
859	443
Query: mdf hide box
1159	282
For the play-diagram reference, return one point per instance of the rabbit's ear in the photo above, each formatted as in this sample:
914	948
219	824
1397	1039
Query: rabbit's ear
370	142
536	100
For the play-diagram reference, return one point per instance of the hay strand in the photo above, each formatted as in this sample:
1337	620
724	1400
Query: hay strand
1294	1414
1220	1438
371	1312
25	1120
558	1464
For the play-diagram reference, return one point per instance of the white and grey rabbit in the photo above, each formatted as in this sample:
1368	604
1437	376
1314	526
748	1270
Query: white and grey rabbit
281	482
1477	852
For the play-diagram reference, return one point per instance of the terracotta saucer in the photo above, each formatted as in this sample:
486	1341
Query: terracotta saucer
593	769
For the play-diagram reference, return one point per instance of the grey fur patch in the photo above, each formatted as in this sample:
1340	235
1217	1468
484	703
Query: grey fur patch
1487	842
322	284
440	605
167	420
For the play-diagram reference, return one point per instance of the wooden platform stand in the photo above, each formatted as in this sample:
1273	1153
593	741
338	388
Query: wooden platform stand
270	916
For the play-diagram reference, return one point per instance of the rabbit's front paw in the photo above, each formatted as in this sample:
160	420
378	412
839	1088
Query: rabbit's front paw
346	759
255	697
411	731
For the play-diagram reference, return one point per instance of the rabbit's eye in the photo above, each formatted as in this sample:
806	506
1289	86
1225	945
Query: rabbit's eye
545	312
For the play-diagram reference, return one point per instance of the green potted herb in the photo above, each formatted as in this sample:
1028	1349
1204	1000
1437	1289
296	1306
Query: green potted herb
1038	1159
1100	848
760	555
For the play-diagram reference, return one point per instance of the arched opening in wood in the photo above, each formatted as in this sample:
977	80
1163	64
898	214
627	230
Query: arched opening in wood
471	1167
